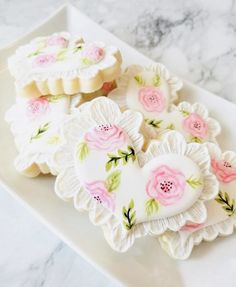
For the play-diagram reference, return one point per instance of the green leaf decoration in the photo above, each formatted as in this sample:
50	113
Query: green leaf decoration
139	80
39	132
113	181
196	140
154	123
61	55
122	155
82	151
129	215
35	53
194	182
151	206
38	50
184	113
156	80
78	48
226	202
170	127
86	61
53	140
55	98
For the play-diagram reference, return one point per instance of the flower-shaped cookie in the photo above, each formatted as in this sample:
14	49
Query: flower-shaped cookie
191	120
62	64
128	193
152	92
221	216
35	125
148	90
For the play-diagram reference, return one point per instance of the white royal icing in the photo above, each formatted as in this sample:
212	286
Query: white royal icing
221	211
62	56
127	192
35	124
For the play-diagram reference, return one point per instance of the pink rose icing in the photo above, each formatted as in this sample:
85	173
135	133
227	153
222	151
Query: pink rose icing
152	99
195	125
98	191
223	170
106	137
166	185
108	87
93	53
192	227
56	40
37	107
45	60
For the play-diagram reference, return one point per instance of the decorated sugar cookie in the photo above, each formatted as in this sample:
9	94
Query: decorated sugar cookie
62	64
152	92
128	193
86	98
221	217
35	125
191	120
148	90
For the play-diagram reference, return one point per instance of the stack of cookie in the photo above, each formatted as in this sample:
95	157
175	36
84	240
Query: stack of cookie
53	75
123	147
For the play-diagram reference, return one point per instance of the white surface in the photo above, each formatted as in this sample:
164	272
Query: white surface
153	270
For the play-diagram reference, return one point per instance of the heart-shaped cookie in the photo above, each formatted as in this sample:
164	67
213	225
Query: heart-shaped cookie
221	215
128	193
35	124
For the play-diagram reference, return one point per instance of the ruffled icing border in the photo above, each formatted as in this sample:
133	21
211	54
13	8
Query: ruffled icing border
214	127
71	81
31	164
68	187
172	242
119	94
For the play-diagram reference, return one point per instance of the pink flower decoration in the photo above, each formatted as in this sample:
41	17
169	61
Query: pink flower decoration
192	227
45	60
98	191
56	40
37	107
166	185
106	137
195	125
152	99
93	53
108	87
223	170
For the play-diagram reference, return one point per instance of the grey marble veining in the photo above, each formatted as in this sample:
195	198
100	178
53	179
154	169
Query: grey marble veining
195	39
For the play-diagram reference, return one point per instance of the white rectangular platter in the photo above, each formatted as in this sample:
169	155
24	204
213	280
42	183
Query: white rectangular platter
145	264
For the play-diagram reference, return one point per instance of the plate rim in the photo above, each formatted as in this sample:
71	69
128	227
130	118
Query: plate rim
3	184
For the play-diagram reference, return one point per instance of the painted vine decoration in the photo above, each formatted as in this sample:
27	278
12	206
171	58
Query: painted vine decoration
39	132
227	203
129	215
122	155
154	123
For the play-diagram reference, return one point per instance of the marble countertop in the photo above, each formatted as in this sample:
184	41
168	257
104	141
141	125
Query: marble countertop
195	39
